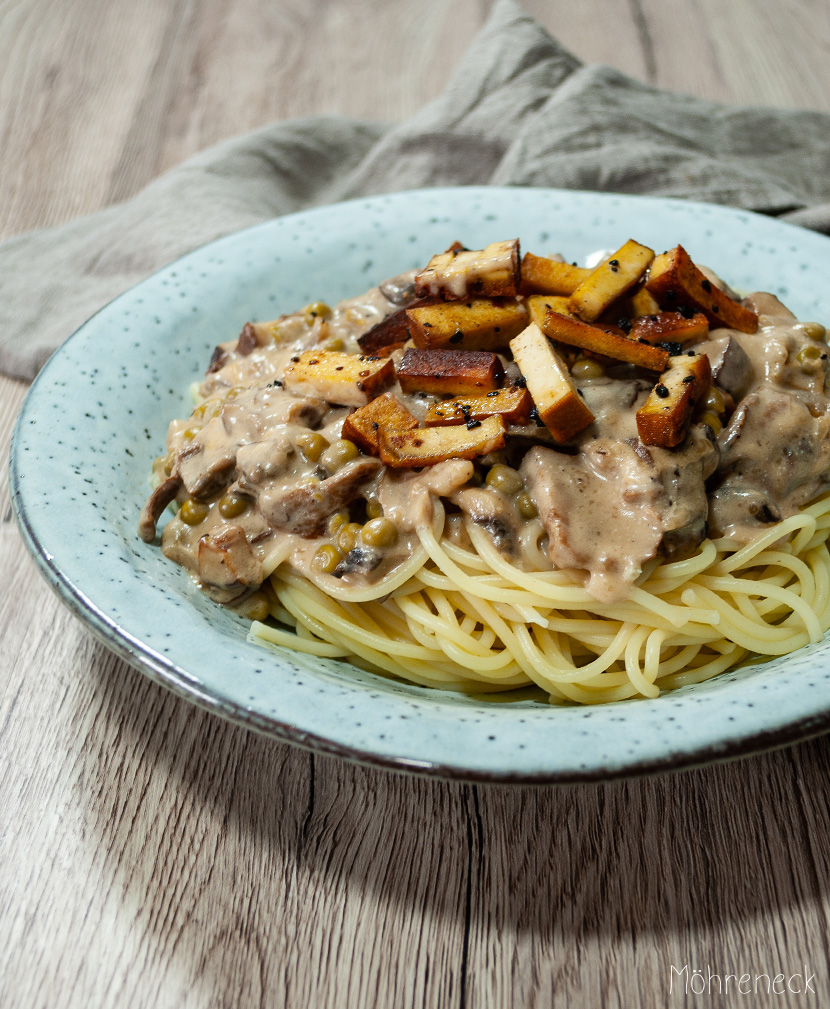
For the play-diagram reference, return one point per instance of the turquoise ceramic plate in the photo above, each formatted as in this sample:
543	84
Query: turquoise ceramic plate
98	412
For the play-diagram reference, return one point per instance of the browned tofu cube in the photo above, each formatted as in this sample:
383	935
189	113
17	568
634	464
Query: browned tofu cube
665	416
600	341
348	379
557	399
670	327
478	324
384	413
641	302
449	372
459	274
388	335
541	275
675	281
513	404
538	306
430	445
610	280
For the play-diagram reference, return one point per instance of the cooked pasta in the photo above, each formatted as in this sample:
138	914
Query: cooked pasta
495	474
470	620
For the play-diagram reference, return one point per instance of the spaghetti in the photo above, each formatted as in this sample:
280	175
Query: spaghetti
496	474
470	620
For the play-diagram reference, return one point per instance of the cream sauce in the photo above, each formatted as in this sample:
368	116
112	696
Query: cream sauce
606	503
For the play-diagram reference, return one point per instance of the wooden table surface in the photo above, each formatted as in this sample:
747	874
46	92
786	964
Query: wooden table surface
152	855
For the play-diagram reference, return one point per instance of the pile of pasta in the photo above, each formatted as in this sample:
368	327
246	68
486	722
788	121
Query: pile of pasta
469	620
463	616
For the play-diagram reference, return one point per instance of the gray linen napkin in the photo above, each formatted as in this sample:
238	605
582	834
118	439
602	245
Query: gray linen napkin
519	110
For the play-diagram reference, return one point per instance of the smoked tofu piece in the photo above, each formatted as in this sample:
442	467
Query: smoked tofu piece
670	327
675	281
430	445
384	413
388	335
547	276
347	379
539	304
513	404
665	416
602	341
641	302
478	324
459	274
557	399
449	372
610	280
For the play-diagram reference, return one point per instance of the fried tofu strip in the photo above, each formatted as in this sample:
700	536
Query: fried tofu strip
557	399
349	379
675	281
641	302
665	416
513	404
601	341
384	413
670	327
538	305
610	280
449	372
479	324
457	274
547	276
430	445
388	335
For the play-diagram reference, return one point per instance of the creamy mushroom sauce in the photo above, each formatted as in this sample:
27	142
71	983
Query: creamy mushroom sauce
606	503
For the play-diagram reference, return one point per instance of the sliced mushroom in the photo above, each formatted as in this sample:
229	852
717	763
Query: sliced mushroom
155	505
227	560
304	508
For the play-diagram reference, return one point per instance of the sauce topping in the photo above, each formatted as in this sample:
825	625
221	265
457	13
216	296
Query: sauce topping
263	475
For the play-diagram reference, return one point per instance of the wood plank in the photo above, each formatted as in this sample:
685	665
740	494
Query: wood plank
155	856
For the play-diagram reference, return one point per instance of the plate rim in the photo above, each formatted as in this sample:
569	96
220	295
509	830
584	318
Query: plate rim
170	675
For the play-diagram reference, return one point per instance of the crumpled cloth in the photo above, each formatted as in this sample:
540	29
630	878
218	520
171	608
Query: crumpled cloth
519	110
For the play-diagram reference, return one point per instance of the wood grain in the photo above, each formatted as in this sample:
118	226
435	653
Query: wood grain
153	855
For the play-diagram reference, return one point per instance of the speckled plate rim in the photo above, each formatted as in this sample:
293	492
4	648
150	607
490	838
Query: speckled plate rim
772	713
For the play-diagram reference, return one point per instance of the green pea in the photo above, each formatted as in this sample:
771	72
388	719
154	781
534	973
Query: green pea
193	512
808	353
379	532
814	330
374	509
338	454
311	444
714	401
504	479
326	559
713	421
337	521
232	505
586	367
527	508
316	310
347	536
